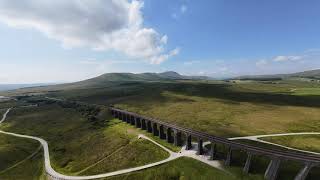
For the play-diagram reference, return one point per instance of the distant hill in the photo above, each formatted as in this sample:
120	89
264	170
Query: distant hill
110	79
312	74
171	75
113	77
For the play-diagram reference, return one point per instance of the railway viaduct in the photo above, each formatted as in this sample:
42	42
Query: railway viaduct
179	135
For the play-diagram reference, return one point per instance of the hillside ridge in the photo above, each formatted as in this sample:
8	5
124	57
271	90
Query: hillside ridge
311	74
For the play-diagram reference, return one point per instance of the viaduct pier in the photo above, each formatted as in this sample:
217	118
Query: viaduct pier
180	135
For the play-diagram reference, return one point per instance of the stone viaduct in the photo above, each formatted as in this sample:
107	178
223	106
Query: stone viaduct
179	136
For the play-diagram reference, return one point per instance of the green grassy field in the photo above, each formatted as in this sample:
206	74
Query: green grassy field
216	107
119	148
307	91
225	112
185	168
8	104
31	169
224	109
20	159
114	145
303	142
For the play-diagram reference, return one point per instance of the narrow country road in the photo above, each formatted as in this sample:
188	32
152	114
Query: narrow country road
5	115
173	155
55	175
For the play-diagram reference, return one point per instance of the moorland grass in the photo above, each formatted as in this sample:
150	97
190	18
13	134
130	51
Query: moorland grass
225	117
13	150
10	103
163	142
137	153
185	168
303	142
315	91
224	109
31	169
17	161
71	136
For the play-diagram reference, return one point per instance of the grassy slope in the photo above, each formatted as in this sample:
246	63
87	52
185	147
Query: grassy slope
14	150
182	168
71	136
17	147
136	152
223	109
31	169
228	113
303	142
247	108
10	103
307	91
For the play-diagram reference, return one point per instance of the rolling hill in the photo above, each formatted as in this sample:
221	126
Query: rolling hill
312	74
110	79
127	77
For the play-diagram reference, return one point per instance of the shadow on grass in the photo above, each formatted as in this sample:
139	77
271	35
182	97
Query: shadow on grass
224	91
122	91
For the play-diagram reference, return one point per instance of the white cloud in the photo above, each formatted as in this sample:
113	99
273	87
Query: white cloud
188	63
201	72
115	25
261	63
313	50
287	58
163	57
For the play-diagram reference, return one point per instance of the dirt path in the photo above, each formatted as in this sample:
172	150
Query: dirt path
173	155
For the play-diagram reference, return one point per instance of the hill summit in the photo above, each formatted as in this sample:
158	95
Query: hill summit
168	75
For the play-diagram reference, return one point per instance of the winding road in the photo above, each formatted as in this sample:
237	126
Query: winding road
57	176
172	155
5	115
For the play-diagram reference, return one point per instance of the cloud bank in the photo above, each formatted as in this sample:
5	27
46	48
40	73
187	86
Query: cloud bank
287	58
104	25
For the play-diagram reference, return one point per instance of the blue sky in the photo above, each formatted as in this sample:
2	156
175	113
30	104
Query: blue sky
64	41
